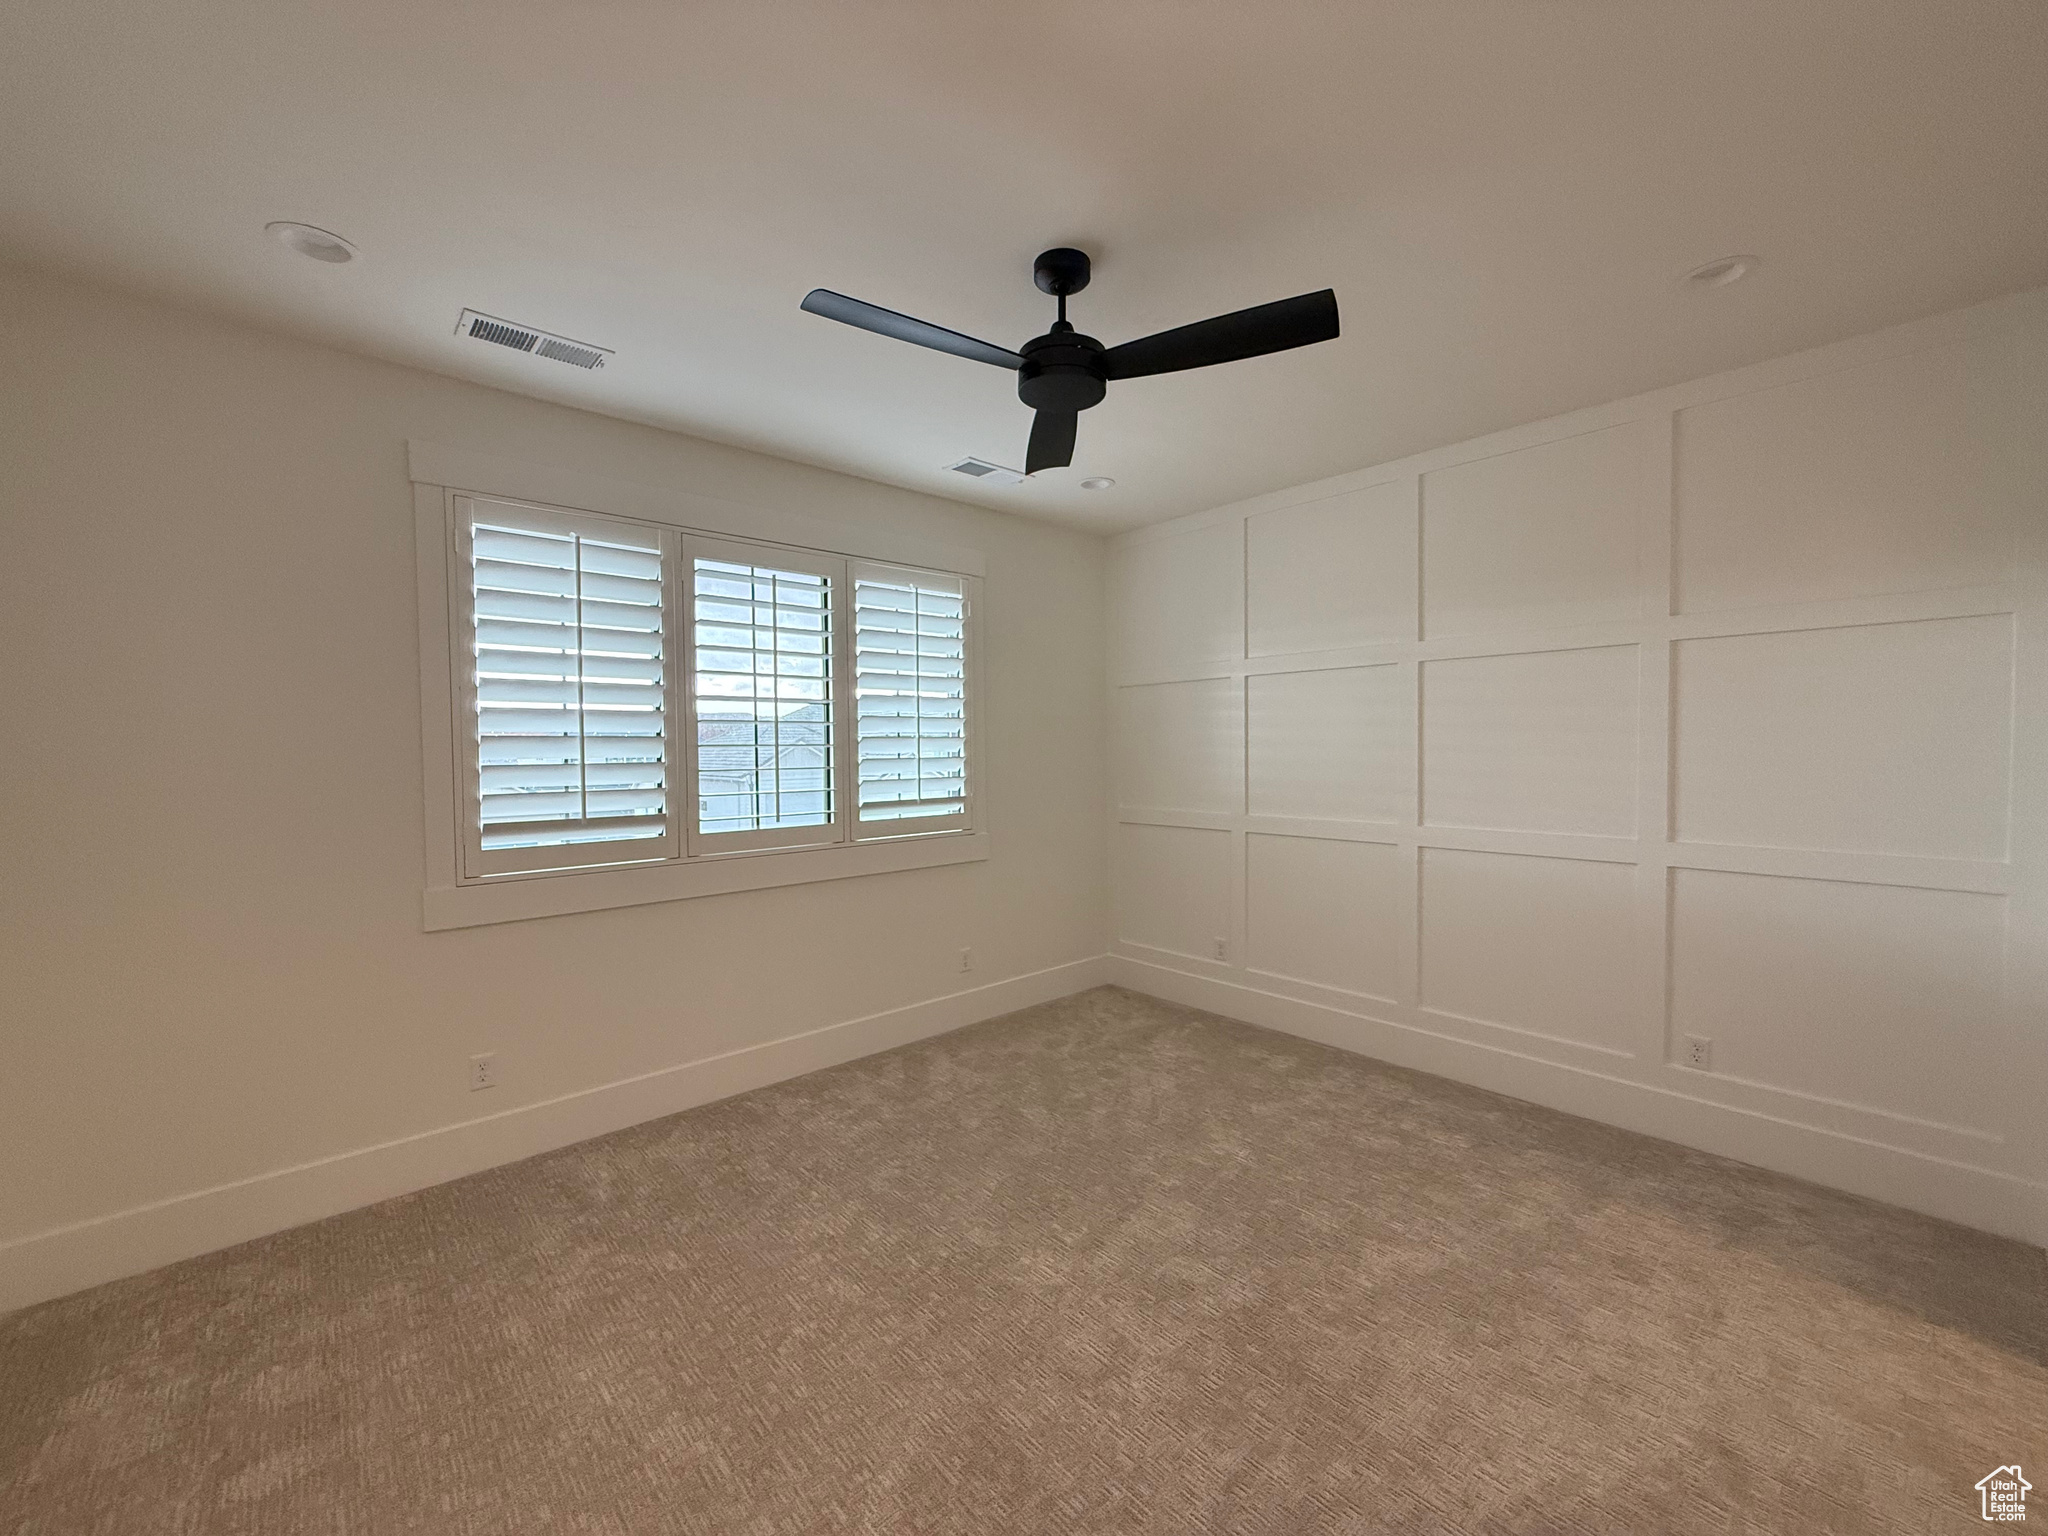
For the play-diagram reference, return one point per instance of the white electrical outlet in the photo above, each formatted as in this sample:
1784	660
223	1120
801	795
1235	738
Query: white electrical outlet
1699	1052
1219	948
966	961
483	1071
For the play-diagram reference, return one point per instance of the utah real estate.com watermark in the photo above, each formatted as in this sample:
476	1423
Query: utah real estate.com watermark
2005	1494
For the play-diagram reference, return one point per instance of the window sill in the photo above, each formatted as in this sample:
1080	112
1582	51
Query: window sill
516	898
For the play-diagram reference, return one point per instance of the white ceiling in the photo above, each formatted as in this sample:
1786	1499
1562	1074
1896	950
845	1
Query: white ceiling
1502	193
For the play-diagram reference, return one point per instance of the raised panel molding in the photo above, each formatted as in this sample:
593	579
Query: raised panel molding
1332	574
1880	738
1173	888
1330	745
1325	912
1180	746
1541	741
1542	537
1660	758
1857	483
1180	602
1871	995
1543	946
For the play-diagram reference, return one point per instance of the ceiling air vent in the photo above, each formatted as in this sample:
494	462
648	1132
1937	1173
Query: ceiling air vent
981	469
524	338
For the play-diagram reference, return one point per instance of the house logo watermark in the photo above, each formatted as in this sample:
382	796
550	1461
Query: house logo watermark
2005	1494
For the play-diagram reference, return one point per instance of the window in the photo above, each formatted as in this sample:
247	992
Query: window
630	693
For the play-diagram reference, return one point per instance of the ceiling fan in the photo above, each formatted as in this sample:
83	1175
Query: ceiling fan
1062	373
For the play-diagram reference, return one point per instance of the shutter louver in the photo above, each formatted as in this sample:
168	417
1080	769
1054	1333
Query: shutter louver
569	689
910	695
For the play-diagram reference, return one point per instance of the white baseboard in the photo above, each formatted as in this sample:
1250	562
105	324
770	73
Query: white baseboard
1983	1198
65	1259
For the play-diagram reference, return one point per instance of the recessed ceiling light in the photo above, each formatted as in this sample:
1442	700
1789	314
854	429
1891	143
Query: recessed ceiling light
320	244
1097	483
1720	272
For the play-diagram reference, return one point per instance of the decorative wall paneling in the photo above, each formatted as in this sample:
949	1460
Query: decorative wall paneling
1717	713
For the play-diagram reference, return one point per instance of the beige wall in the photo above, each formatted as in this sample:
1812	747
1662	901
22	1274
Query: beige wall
1718	713
213	957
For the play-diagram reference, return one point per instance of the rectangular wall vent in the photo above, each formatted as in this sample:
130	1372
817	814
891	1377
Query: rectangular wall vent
981	469
524	338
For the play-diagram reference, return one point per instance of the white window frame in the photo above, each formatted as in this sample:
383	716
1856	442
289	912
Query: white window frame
462	891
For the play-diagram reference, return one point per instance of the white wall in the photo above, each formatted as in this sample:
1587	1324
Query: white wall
211	822
1523	760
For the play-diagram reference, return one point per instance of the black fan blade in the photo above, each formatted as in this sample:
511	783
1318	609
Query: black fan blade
886	322
1052	441
1296	322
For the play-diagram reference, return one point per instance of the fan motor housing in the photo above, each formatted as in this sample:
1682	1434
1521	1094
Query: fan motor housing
1062	372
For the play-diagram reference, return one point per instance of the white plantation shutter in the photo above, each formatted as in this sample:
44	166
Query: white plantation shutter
762	627
567	689
910	699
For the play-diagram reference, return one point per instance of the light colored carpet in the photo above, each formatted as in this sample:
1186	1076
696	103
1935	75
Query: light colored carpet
1107	1265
